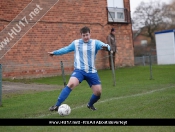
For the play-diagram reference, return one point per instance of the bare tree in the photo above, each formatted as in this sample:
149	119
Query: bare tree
169	13
147	19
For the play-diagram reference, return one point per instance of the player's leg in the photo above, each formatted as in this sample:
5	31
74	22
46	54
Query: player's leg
95	96
74	80
95	84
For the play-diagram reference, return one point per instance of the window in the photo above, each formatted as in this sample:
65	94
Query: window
116	15
116	11
144	42
115	3
111	15
120	15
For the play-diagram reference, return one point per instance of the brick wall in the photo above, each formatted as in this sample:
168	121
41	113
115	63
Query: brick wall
58	28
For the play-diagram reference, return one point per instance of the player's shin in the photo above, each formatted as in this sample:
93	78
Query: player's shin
63	95
94	98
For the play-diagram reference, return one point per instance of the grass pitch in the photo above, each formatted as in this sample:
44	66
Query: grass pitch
134	96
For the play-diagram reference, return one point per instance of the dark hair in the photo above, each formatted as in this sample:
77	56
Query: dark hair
85	30
112	29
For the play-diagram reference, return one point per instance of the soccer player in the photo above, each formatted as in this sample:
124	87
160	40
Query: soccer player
85	51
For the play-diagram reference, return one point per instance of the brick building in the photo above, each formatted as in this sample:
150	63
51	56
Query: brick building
59	27
142	44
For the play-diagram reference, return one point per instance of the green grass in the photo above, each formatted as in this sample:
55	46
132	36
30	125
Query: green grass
134	96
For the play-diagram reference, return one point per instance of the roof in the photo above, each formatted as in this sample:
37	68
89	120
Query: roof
165	31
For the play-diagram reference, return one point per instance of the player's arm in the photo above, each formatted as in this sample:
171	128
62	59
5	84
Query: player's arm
101	45
64	50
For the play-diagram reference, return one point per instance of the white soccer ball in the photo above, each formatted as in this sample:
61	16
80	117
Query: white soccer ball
64	110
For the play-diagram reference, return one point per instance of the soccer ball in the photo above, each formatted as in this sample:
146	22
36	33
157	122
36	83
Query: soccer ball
64	110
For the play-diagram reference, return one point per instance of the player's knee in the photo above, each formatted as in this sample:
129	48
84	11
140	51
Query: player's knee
97	90
97	93
99	96
71	85
73	82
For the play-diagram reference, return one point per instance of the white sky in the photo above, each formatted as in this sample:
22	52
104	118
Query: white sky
135	3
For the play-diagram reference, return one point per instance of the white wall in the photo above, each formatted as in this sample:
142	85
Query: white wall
165	46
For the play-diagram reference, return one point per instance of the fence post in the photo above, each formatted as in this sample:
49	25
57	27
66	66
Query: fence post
113	70
63	75
0	85
143	59
150	65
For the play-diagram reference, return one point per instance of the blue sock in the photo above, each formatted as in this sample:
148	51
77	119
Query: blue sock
63	95
93	99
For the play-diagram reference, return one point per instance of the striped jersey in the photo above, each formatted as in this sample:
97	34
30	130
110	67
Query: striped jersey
84	53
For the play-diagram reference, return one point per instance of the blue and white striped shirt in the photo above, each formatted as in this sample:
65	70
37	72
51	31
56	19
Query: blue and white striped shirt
84	53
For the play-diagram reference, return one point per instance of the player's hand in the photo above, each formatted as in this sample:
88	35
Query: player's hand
111	51
50	53
104	48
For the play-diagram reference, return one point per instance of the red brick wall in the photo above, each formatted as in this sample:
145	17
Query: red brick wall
58	28
139	38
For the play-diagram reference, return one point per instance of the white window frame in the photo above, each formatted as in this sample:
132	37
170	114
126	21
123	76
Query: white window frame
116	11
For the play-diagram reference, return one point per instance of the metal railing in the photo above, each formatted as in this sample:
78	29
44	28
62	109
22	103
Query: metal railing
145	60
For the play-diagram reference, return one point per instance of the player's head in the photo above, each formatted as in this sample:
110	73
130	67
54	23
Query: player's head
85	34
113	31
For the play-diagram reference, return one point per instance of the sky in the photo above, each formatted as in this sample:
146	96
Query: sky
135	3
